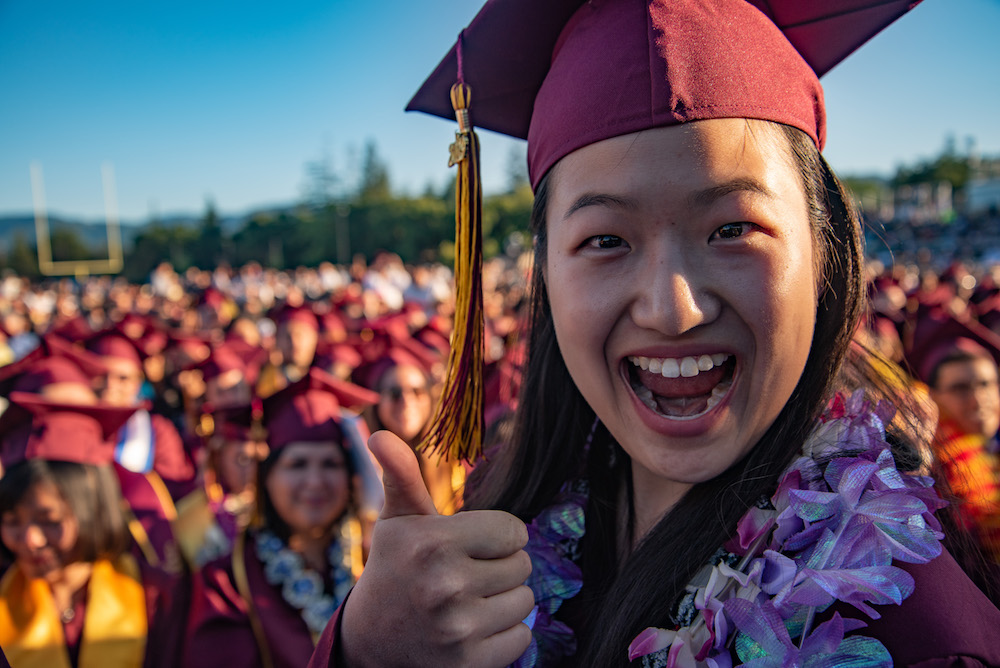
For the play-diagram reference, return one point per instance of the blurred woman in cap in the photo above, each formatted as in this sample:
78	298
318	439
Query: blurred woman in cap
690	481
266	603
73	593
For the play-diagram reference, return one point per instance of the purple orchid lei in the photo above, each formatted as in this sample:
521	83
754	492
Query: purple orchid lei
840	516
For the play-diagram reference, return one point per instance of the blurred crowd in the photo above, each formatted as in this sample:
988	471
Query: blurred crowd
191	453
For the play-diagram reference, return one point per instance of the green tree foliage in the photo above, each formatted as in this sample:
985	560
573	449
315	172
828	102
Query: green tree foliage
66	244
22	258
951	168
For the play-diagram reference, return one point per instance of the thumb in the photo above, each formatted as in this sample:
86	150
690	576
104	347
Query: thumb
405	491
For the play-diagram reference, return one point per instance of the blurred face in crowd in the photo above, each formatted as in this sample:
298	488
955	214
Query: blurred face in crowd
309	486
236	464
404	406
123	382
967	391
41	531
297	342
228	388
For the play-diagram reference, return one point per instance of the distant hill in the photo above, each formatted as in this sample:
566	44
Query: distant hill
94	233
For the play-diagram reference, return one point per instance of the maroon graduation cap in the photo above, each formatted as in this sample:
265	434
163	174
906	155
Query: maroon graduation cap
65	432
55	360
566	73
309	410
937	335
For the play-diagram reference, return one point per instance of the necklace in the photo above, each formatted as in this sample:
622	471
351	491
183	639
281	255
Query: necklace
301	587
841	514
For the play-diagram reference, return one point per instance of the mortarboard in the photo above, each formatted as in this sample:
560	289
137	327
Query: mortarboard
288	314
113	343
65	432
937	335
309	410
53	361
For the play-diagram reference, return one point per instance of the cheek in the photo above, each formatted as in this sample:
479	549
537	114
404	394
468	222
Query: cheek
280	485
68	537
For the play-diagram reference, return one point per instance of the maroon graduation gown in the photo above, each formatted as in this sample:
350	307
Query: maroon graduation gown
220	631
946	623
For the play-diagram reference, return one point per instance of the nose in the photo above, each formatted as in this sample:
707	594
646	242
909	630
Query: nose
34	538
673	295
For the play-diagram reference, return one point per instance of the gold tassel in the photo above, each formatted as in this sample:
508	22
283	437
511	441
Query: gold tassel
458	420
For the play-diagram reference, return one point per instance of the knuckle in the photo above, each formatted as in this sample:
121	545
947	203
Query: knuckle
439	591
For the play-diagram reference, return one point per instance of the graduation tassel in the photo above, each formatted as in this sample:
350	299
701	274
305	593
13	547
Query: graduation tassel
458	421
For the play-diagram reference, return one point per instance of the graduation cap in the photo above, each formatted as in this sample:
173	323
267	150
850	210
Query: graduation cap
564	74
937	335
114	343
65	432
309	410
235	422
54	360
303	314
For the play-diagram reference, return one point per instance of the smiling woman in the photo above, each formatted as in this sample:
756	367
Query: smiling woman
704	469
264	604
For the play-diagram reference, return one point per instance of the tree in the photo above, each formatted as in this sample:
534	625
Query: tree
374	184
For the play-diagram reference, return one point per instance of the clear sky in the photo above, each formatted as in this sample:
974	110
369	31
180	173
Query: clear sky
216	99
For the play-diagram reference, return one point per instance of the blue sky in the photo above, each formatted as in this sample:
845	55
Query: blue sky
228	101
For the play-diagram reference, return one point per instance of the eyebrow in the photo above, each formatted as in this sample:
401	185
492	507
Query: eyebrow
599	199
707	197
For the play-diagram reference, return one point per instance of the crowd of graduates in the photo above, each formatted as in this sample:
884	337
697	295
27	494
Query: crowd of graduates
185	475
186	478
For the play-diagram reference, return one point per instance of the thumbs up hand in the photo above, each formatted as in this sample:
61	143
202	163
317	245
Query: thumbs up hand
437	590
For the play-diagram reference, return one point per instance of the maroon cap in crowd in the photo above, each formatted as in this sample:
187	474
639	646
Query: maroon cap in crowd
938	335
303	314
112	343
53	361
65	432
310	409
239	422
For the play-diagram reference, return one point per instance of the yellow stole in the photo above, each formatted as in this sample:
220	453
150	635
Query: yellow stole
114	627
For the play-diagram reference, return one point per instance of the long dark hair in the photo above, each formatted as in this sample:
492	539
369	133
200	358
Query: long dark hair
553	420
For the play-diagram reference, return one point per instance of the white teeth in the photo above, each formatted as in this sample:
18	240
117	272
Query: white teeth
688	367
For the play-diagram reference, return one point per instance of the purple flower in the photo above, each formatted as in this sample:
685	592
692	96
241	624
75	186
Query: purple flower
764	642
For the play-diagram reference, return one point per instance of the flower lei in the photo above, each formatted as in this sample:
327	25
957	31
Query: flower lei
840	516
302	587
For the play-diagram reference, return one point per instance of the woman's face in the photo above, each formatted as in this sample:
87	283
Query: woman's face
123	382
680	274
309	486
41	531
404	405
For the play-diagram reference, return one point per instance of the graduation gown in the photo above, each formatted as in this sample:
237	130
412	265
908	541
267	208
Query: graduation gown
946	623
225	629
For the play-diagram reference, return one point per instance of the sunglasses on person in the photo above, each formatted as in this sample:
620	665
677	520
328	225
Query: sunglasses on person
396	393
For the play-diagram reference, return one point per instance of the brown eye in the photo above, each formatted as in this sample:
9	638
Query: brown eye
606	241
731	231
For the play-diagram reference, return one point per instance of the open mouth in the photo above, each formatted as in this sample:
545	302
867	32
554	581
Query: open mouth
682	388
